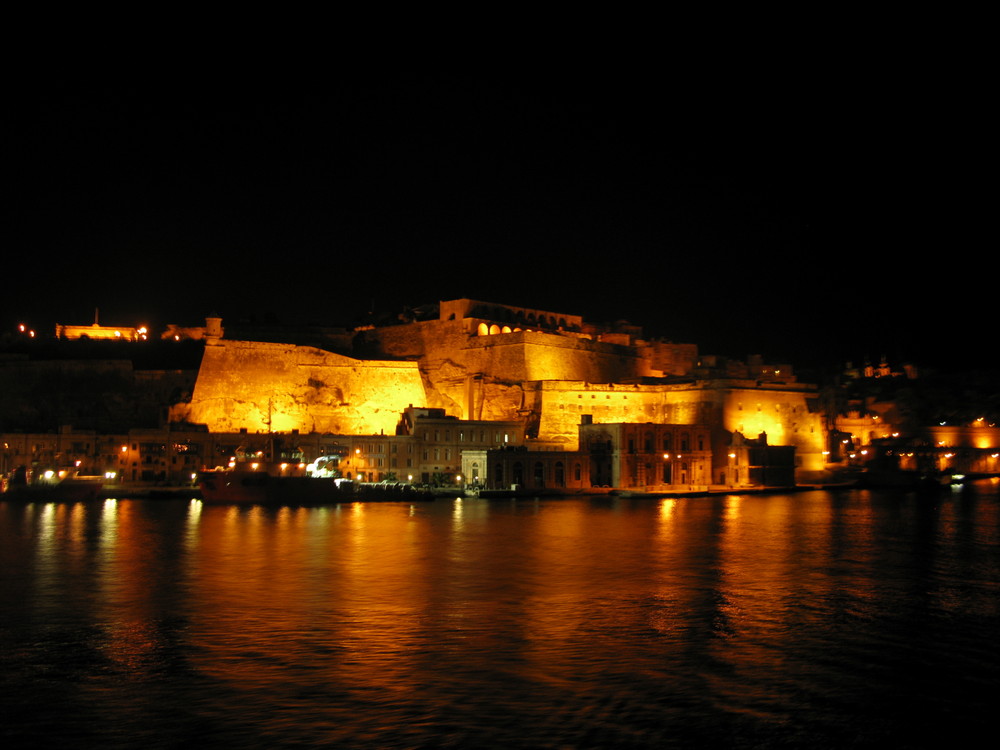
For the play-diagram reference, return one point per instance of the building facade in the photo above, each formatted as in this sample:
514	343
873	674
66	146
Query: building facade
529	470
648	456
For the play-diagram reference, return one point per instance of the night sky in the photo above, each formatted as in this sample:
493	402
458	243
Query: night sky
814	218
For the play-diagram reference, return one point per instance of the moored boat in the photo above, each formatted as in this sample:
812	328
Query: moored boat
66	485
262	487
250	480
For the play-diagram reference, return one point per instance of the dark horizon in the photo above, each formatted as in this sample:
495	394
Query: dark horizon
788	222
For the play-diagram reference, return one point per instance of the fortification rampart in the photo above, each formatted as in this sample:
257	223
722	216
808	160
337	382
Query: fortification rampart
434	339
278	387
559	407
535	355
479	376
737	406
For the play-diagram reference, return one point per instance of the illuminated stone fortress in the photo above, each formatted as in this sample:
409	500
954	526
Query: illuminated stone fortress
546	372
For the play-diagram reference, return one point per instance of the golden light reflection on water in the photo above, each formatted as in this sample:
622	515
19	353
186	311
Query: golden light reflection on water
375	616
352	576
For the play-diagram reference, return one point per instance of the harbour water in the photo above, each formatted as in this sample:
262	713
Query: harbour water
822	619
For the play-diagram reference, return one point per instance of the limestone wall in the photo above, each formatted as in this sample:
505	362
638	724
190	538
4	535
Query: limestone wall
560	406
279	387
783	413
436	339
534	355
451	354
511	357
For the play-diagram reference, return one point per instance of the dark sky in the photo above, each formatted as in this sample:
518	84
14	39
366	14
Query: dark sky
806	217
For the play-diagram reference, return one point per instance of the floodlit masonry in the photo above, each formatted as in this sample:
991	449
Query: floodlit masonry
511	380
547	372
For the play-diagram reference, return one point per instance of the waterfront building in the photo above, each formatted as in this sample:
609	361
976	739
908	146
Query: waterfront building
67	449
427	449
442	441
648	456
523	469
971	449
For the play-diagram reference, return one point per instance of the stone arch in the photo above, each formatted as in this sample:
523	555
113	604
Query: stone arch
517	473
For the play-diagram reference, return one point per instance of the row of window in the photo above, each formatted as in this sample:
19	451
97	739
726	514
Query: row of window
684	444
498	437
777	407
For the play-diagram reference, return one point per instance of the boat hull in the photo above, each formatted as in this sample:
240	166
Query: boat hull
261	488
66	491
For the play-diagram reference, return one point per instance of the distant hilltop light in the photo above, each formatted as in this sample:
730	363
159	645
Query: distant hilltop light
99	332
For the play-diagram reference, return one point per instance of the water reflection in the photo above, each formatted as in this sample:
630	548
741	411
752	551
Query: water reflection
741	620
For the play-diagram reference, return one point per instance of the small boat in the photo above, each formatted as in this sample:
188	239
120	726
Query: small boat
263	487
64	485
251	480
